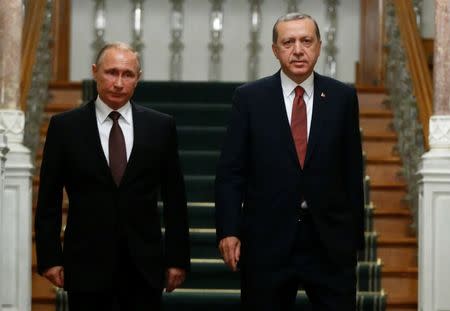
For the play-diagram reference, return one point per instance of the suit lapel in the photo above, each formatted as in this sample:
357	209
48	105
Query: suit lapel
319	104
138	140
92	138
283	120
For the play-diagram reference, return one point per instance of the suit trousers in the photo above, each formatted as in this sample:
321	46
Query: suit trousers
130	291
328	287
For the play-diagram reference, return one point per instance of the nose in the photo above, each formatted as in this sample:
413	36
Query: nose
118	82
298	47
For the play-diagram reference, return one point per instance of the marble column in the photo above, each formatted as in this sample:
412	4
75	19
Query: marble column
434	185
15	208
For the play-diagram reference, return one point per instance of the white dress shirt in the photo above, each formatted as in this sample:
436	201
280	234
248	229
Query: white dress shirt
289	86
104	124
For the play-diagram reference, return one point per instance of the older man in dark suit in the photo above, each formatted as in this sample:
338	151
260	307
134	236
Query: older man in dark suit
289	197
113	158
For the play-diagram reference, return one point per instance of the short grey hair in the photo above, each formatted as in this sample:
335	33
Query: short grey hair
292	17
118	46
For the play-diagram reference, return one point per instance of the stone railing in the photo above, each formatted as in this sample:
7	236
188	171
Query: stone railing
218	19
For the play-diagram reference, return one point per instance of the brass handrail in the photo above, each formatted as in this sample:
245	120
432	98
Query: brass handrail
417	62
34	17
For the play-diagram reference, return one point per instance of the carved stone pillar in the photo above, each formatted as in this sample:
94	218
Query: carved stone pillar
434	195
15	205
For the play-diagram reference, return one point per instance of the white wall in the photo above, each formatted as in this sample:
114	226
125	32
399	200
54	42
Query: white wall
196	36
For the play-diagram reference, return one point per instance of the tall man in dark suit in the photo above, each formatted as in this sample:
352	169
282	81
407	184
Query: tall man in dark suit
292	157
113	158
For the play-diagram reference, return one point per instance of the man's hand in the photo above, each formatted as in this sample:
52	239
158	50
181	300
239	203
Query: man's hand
174	278
230	248
55	275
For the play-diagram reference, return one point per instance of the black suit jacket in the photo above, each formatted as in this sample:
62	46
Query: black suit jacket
258	167
101	216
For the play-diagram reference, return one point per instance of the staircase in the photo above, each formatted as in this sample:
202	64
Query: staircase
397	244
201	119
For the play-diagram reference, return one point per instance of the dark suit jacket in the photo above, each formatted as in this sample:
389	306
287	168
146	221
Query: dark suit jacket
102	215
258	167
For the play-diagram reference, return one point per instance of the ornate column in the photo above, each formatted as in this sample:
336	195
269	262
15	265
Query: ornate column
15	208
136	29
253	46
330	36
418	4
292	6
215	46
176	46
99	26
434	185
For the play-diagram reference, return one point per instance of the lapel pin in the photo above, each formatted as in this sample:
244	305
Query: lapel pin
322	95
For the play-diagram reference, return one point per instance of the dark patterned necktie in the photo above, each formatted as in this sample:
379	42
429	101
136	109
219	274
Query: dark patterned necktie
117	149
298	125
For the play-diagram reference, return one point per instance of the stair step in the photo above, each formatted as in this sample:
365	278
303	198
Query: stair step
384	172
391	160
55	108
42	289
376	148
401	284
195	114
374	113
42	305
372	101
388	186
200	138
401	304
204	245
66	95
224	300
379	144
393	222
200	188
372	125
385	198
199	161
397	253
229	300
203	162
213	273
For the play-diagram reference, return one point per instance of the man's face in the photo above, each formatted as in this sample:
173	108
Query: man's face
297	48
116	75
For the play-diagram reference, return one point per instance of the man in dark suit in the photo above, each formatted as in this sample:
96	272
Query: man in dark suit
289	196
113	158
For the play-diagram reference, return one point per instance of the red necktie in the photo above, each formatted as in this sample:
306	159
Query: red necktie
117	149
298	125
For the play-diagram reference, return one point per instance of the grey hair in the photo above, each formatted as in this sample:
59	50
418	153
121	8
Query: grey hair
119	46
292	17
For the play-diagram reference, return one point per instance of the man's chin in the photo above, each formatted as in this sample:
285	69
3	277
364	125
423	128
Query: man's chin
300	70
115	103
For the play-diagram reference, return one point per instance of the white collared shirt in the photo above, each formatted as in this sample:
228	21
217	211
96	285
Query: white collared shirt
104	124
289	86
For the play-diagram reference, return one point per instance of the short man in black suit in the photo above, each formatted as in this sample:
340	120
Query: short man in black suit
113	158
289	195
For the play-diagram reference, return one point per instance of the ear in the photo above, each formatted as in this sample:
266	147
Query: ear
320	46
275	50
94	71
